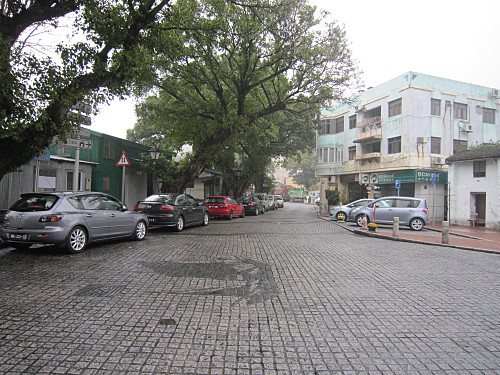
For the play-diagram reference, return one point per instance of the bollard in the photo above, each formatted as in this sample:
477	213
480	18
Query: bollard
446	232
395	227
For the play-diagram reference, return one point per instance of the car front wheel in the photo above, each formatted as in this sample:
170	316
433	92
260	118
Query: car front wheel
242	213
77	240
417	224
140	231
230	216
341	214
179	225
257	211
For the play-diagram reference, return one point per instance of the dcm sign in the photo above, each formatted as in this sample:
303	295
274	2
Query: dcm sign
403	176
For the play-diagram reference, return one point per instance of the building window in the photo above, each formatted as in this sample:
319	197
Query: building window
394	145
325	126
369	148
435	107
48	172
459	145
331	155
435	145
488	116
340	154
395	108
352	122
325	155
107	148
339	124
460	111
479	168
69	181
352	153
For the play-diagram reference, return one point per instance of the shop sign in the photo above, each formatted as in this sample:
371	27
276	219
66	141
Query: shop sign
391	177
426	176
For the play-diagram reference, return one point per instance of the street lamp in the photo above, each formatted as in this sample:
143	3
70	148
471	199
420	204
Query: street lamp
155	154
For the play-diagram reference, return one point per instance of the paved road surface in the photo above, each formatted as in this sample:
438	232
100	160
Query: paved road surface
280	293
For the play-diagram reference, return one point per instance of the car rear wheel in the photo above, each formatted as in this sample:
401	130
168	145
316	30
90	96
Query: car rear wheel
179	226
417	224
205	219
76	240
359	220
140	231
230	216
257	211
242	213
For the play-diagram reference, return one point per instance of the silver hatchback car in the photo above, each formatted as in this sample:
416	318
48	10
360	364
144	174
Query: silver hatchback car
70	220
410	211
344	210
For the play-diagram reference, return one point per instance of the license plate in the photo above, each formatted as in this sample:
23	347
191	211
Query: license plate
213	206
15	236
151	220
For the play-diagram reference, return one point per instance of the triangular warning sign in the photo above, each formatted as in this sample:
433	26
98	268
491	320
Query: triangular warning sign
123	161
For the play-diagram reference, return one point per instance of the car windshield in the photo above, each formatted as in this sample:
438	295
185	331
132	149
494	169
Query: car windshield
245	199
38	202
218	200
163	198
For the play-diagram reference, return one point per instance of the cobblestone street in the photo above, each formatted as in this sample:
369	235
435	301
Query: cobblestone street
280	293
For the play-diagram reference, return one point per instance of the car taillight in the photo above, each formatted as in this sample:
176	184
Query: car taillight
165	208
137	207
251	204
424	210
50	219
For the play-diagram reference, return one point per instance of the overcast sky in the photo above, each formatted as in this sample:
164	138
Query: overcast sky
454	39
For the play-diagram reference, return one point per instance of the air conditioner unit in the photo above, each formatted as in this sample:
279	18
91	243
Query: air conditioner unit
88	184
332	179
437	160
495	93
467	128
420	140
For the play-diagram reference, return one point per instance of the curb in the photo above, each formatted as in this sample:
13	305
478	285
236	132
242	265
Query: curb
375	235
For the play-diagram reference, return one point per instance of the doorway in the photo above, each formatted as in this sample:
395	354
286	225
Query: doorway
478	206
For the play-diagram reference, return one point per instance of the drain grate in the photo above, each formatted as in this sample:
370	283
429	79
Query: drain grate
100	290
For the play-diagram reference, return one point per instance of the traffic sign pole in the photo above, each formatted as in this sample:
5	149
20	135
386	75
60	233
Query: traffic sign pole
77	169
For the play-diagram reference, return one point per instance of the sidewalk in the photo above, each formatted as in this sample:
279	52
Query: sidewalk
469	238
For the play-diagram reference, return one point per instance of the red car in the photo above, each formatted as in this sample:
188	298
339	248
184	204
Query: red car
223	206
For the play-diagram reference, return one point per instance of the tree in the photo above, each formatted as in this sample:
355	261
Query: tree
37	92
245	65
302	168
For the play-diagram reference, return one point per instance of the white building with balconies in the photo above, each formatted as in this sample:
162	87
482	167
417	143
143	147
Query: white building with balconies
395	137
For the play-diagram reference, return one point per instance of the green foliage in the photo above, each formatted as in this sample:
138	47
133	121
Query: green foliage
301	168
333	197
107	55
238	75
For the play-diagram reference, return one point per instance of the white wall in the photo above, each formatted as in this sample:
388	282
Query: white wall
463	184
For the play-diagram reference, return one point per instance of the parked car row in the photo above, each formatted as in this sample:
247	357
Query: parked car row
75	220
411	211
